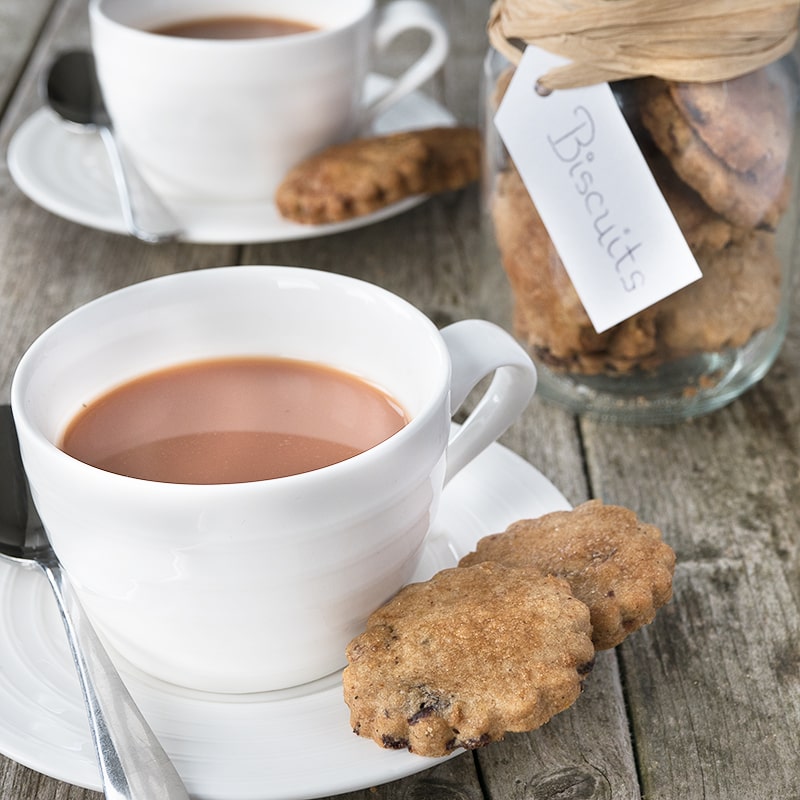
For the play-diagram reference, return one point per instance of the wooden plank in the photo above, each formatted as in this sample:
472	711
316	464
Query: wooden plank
20	23
583	753
713	683
455	779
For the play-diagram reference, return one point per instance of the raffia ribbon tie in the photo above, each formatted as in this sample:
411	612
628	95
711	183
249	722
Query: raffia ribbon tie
682	40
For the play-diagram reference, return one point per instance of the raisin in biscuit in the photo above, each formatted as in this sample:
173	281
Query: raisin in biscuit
614	563
364	175
459	660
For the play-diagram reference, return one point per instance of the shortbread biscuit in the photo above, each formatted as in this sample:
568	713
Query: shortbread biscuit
364	175
701	226
352	179
744	121
454	158
729	141
459	660
617	565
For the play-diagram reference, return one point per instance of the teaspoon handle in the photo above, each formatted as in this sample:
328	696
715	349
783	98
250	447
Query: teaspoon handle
145	216
133	764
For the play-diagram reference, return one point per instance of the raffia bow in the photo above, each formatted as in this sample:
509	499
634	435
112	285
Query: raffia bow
682	40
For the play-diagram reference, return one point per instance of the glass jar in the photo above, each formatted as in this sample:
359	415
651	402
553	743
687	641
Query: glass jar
732	189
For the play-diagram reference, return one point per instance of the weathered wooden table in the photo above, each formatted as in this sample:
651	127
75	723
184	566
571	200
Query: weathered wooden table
704	703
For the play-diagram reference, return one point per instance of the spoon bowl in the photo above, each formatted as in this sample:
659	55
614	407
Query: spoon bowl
71	89
133	764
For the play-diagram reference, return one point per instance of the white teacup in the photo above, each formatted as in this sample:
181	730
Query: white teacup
226	119
255	586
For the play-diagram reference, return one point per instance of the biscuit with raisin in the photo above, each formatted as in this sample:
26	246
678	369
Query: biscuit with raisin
729	141
547	311
364	175
461	659
351	179
744	121
617	565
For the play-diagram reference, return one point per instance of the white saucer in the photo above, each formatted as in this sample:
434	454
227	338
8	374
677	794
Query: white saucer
287	745
68	173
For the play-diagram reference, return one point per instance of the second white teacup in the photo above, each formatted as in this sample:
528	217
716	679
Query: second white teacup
227	118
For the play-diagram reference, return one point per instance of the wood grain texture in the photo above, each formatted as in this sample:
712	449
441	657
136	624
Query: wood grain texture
702	705
713	684
584	753
20	24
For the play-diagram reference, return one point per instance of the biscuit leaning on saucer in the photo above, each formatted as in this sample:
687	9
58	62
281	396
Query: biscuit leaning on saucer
364	175
613	562
459	660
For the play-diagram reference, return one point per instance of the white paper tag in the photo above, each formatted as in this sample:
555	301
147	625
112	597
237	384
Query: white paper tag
609	222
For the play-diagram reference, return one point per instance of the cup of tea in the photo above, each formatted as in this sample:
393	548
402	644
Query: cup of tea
236	466
220	98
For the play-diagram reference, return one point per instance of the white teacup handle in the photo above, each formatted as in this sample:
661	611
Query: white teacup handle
477	349
394	19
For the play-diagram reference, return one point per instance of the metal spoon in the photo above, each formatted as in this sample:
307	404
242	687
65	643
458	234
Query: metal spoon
133	765
71	89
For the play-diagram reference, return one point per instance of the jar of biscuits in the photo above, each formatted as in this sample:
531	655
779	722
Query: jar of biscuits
641	174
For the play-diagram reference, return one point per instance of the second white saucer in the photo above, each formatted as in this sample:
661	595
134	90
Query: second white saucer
68	174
